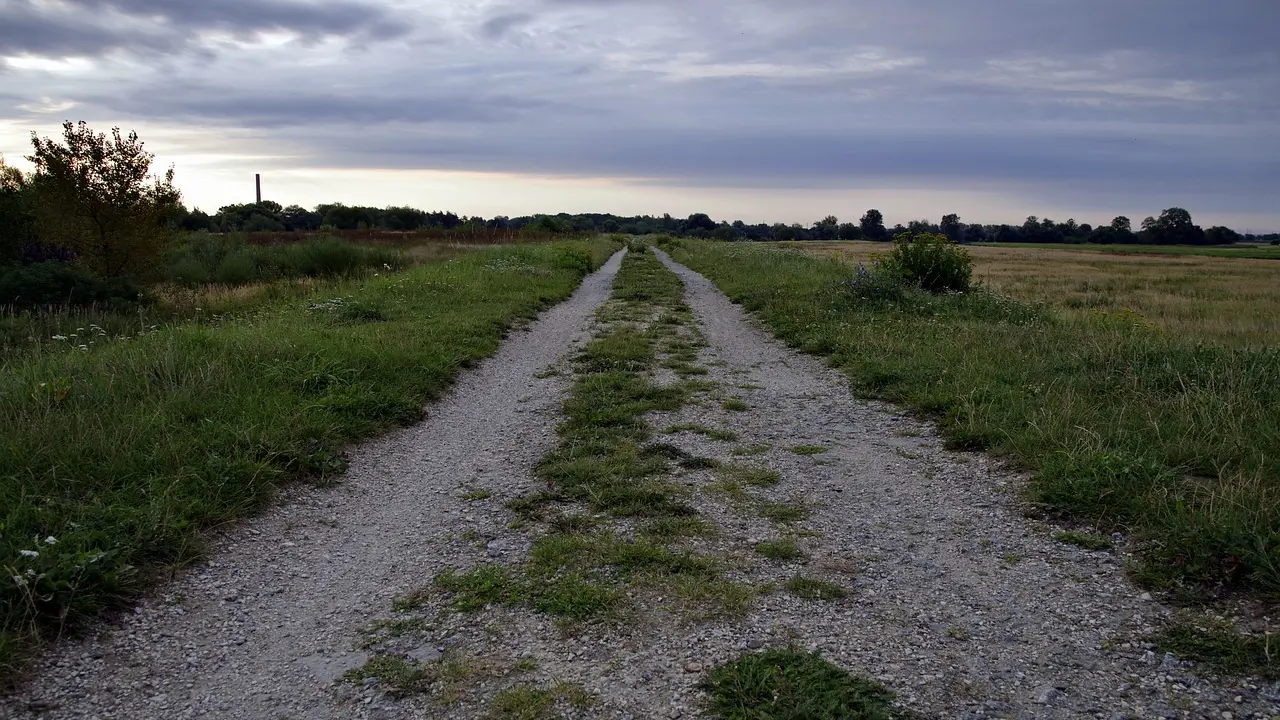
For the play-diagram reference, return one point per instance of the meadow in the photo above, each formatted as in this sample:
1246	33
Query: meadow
125	439
1231	302
1138	390
1246	251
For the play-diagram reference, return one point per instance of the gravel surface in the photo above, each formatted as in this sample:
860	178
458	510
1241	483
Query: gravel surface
265	627
957	601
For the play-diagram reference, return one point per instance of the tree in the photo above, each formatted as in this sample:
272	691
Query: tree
96	196
827	228
849	231
1173	227
17	226
951	227
699	221
1219	235
1121	224
872	224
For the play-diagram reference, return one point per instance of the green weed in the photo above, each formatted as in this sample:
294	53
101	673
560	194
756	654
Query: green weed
1088	541
1222	647
786	684
810	589
782	550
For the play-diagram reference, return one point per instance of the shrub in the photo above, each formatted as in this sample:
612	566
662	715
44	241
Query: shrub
187	270
875	285
56	283
931	262
238	268
576	260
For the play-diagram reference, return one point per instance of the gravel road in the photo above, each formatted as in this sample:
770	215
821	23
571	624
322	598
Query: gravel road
961	604
262	629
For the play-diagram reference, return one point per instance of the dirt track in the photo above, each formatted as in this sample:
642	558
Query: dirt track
958	603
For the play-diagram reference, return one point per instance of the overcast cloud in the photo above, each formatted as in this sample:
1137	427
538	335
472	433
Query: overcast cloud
1159	102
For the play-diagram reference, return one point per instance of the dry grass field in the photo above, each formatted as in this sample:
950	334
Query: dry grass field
1228	301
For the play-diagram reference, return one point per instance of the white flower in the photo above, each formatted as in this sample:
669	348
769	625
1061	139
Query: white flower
51	540
59	337
29	553
17	580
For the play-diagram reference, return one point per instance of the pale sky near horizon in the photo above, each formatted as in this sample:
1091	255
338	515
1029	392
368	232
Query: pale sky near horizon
760	110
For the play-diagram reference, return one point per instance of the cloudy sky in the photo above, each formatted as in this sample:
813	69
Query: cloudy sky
765	110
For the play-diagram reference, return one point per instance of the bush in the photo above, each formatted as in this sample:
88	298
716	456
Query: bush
875	285
59	284
931	262
229	260
238	268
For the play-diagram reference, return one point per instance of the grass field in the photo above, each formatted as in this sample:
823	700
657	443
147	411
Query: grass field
1254	251
117	455
1161	419
1229	302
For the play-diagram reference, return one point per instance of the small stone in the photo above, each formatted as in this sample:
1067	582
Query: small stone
693	667
1145	597
1047	695
755	643
425	654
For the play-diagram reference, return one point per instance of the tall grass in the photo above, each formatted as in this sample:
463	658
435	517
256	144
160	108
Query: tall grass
114	458
1124	425
229	260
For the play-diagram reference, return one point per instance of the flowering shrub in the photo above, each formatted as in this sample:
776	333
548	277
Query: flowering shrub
930	262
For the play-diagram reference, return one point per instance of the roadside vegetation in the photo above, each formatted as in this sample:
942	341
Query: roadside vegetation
1172	438
117	451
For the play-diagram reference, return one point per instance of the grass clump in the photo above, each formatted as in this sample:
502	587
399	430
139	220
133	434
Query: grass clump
1123	424
808	588
397	675
782	512
207	420
1220	646
713	433
787	684
750	475
782	550
1086	540
530	702
736	405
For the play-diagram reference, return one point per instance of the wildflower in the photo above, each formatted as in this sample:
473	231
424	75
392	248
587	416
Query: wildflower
59	337
29	553
19	581
51	540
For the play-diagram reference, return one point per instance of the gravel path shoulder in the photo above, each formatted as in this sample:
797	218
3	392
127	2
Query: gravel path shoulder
960	603
264	628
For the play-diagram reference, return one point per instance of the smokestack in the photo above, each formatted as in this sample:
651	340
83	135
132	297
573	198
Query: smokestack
257	179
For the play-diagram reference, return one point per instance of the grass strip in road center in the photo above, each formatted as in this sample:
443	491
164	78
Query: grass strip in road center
606	464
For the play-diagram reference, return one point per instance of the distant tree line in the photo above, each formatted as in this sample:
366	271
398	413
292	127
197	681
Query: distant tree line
1173	226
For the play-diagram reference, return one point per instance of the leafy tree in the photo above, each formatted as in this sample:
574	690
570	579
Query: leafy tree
872	224
827	228
700	221
1173	227
96	195
951	227
1218	235
849	231
1121	224
725	233
785	233
17	226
